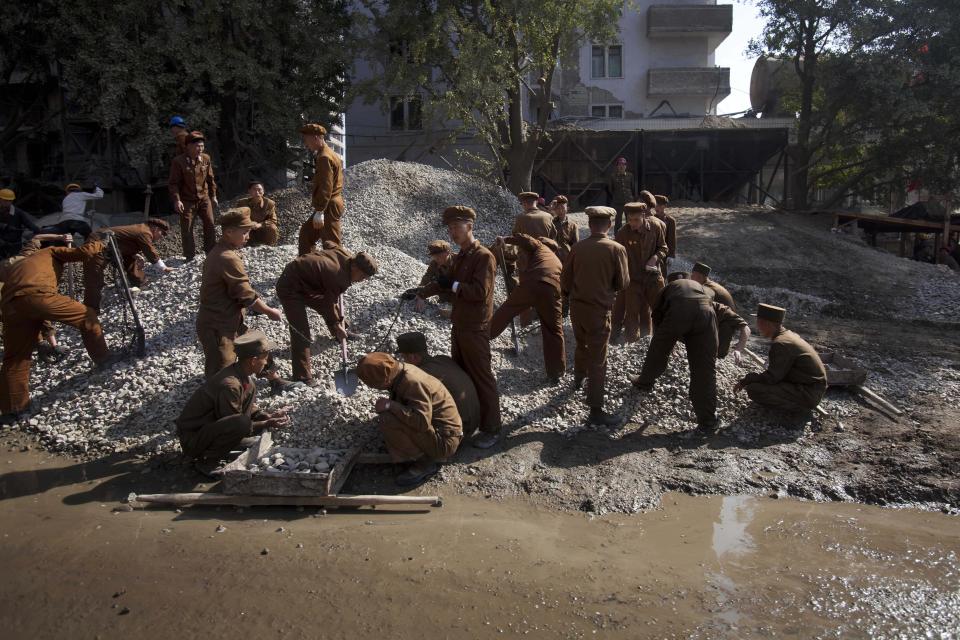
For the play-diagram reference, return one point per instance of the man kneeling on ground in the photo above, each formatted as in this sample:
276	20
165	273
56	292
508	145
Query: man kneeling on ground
222	412
419	421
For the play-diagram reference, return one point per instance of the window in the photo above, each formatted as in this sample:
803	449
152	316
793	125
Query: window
606	111
607	61
406	113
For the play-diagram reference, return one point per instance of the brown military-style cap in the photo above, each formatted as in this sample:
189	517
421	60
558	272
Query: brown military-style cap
411	342
252	343
635	207
701	268
526	195
600	212
378	370
770	312
313	129
163	225
561	200
678	275
459	213
438	246
648	198
195	136
238	217
662	199
551	243
366	263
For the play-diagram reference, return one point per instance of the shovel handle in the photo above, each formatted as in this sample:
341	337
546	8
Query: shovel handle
343	352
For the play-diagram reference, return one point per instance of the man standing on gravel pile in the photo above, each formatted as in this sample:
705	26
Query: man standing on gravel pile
193	192
701	274
471	281
795	378
327	197
316	280
644	238
621	189
594	272
441	260
263	210
671	224
685	313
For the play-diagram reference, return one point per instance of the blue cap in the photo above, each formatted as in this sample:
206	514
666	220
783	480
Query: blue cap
177	121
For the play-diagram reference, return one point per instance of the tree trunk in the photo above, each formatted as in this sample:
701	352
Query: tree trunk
804	154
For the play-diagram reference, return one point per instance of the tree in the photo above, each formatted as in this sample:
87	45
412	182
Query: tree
487	66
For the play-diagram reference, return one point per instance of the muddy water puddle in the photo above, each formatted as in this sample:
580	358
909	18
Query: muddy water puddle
729	567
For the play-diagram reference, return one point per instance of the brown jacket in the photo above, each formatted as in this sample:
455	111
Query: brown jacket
538	224
567	235
327	180
728	325
671	225
595	271
264	214
680	300
474	269
642	245
422	403
39	273
793	360
191	180
318	277
430	277
621	187
228	393
225	290
719	293
541	263
131	240
460	386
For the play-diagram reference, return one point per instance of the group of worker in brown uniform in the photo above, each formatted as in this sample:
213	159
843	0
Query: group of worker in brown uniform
608	286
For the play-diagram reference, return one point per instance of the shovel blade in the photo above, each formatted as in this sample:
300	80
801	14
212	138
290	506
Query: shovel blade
345	381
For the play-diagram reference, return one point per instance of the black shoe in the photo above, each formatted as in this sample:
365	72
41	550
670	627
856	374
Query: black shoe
484	440
553	381
578	382
417	473
9	419
107	363
640	386
601	418
708	427
207	466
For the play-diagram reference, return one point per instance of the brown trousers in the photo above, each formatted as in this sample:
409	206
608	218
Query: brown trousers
631	311
470	348
265	235
295	309
786	396
23	318
202	209
329	230
218	350
698	331
545	300
404	443
218	438
591	328
93	277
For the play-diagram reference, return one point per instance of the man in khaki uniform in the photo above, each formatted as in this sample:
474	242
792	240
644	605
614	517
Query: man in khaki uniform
795	378
316	280
419	421
701	274
193	192
441	260
685	313
566	229
644	239
671	224
533	221
471	280
539	289
621	188
412	348
223	411
327	195
594	272
263	211
132	240
30	296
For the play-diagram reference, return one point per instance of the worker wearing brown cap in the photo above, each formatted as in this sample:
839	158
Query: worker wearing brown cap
419	420
795	378
644	238
539	289
594	272
223	411
533	221
412	349
621	189
31	296
671	224
316	280
471	280
566	229
132	240
441	261
701	274
263	210
327	197
193	192
685	313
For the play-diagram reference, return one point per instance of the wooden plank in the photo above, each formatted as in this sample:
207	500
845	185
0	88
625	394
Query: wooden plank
935	227
876	397
185	499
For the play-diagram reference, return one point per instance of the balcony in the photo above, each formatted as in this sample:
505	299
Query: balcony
714	22
689	82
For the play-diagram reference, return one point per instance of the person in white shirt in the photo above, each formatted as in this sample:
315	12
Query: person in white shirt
74	218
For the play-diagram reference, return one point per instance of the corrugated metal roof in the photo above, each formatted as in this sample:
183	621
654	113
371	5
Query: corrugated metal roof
711	123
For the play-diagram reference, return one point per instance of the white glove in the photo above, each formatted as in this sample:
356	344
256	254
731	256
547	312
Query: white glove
737	356
318	217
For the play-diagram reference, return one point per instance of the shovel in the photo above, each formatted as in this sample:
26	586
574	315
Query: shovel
345	379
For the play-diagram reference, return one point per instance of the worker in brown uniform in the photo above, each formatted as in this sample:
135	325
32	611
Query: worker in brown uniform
471	279
263	211
671	224
193	192
441	260
316	280
701	274
685	313
327	195
225	296
412	349
223	411
645	241
621	189
30	296
539	289
132	240
533	221
795	378
567	235
594	272
419	421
